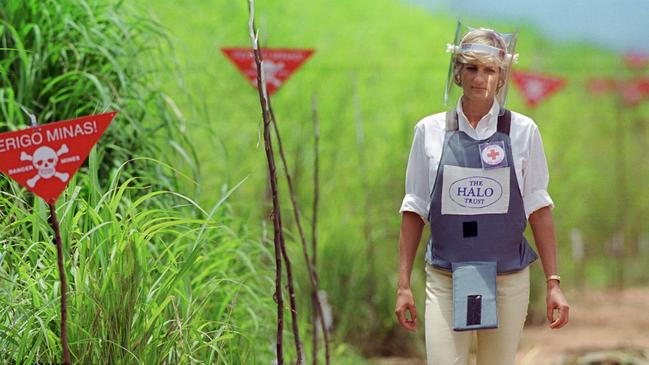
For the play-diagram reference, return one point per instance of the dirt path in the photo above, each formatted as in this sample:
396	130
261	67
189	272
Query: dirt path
601	321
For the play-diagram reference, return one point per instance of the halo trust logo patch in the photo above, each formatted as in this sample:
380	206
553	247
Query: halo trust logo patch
475	192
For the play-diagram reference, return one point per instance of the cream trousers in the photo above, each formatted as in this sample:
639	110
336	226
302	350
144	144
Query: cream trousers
494	346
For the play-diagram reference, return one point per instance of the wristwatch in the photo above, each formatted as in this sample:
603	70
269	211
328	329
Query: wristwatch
553	277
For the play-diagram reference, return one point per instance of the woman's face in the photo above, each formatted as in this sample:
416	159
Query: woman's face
480	81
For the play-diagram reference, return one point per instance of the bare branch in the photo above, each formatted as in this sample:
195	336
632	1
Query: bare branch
54	223
261	86
280	245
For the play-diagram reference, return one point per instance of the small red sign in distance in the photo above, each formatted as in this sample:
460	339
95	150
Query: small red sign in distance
278	64
536	87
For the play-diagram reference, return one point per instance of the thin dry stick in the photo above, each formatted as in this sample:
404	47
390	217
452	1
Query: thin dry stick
277	220
287	261
291	293
273	183
316	178
289	273
317	305
313	276
367	227
54	223
314	294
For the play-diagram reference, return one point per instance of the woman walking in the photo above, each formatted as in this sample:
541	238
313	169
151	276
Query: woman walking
477	174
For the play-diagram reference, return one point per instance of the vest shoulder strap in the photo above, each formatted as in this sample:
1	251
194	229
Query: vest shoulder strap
451	120
505	122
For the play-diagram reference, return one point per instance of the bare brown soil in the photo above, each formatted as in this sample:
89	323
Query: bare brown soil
603	323
600	321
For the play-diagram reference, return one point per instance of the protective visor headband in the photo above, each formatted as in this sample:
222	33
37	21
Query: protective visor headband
482	48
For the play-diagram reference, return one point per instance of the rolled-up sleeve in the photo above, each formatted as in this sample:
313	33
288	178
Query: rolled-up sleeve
536	176
417	198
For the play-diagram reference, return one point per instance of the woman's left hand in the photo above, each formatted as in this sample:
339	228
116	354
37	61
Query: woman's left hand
557	302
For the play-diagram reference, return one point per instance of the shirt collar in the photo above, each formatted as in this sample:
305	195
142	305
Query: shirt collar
485	127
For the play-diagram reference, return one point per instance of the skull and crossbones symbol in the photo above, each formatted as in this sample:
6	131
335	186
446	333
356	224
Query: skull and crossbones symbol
44	161
271	70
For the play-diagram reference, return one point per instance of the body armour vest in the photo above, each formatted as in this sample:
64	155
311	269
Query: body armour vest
476	211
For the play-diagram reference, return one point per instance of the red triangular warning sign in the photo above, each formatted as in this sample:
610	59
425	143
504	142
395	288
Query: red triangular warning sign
536	87
601	86
278	65
636	60
633	92
44	158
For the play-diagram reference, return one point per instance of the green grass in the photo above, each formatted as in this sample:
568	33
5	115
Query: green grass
153	277
65	59
385	61
156	285
156	279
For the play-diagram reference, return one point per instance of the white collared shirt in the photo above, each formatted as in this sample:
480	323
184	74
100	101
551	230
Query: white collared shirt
527	149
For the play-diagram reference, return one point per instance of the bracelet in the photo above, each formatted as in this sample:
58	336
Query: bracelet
553	277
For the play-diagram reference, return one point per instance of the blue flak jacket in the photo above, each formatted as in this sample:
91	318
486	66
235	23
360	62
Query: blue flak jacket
470	217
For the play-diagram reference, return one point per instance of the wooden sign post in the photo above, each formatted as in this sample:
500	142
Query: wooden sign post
43	159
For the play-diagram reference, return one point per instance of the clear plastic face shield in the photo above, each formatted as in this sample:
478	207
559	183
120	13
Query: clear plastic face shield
480	46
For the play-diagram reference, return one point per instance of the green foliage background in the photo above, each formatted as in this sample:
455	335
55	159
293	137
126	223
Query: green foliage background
380	63
383	62
153	277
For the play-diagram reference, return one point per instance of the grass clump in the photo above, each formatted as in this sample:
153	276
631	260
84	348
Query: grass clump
153	277
147	285
64	59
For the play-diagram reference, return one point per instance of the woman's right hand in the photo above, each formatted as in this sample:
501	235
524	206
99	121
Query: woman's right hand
406	303
411	226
